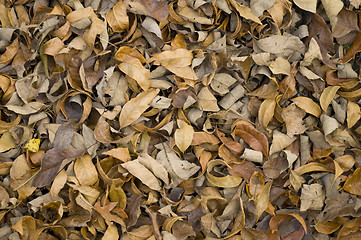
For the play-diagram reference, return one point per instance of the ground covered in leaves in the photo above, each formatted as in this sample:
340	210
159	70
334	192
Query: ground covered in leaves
154	119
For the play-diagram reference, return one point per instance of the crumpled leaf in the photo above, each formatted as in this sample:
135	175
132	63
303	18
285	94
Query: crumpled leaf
312	197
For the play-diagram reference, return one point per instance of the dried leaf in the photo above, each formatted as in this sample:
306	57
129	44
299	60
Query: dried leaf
85	171
308	105
143	174
327	96
133	109
266	111
183	135
117	17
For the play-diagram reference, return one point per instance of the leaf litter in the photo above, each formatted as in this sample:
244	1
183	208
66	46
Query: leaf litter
154	119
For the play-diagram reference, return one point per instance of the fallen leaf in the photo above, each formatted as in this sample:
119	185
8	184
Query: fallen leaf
308	105
183	135
85	170
266	111
177	61
117	17
308	5
312	197
133	109
255	139
327	96
206	100
293	117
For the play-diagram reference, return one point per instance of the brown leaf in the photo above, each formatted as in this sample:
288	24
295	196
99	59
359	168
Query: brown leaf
255	139
50	164
293	117
156	8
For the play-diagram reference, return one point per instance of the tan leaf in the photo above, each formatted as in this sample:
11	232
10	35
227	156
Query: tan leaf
353	114
119	153
308	5
10	52
111	233
280	141
153	165
245	12
177	61
293	117
6	142
85	170
221	83
312	197
206	101
117	17
332	8
308	105
134	69
327	96
183	135
266	111
136	106
143	174
280	66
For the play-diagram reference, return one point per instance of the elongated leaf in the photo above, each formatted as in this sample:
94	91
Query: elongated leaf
136	106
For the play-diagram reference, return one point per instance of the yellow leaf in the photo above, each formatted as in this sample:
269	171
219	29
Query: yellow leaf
33	145
183	135
135	107
327	96
308	105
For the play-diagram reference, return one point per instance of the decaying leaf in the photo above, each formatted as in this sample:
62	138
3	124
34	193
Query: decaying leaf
154	119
